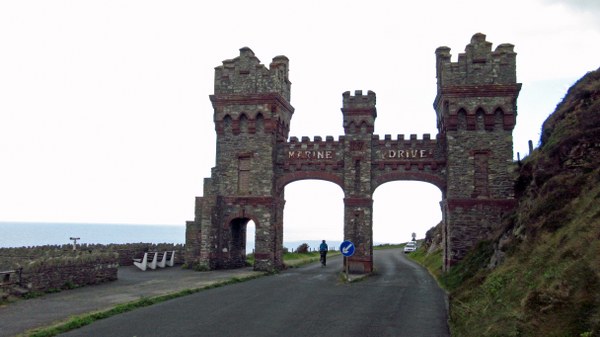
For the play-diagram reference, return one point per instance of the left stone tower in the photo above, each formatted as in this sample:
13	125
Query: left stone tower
252	115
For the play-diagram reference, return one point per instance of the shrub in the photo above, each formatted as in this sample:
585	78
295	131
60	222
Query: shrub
302	249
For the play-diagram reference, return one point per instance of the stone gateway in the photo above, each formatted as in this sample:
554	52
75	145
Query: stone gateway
470	159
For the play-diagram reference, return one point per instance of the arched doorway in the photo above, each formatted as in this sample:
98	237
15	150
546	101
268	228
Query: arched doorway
235	252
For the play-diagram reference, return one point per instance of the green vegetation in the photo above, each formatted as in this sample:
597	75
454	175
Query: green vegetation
388	246
548	286
540	275
433	261
293	260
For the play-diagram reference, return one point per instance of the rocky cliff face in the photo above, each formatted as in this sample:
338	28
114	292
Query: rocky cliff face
565	164
541	275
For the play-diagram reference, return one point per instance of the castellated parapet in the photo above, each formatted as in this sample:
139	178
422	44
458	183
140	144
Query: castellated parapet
480	90
359	112
246	75
359	102
478	64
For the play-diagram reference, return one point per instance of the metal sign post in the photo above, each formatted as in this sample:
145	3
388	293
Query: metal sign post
74	242
347	249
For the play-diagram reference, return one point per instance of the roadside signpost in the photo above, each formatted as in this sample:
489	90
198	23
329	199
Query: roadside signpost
347	249
74	242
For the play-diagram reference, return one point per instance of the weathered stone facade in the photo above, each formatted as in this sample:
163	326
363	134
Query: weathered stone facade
476	113
470	160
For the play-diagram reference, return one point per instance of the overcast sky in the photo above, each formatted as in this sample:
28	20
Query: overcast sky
105	116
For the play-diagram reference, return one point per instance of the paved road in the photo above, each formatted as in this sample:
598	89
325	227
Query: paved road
401	299
133	284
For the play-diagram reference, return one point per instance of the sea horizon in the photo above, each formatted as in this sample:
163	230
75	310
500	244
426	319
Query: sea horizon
26	234
41	233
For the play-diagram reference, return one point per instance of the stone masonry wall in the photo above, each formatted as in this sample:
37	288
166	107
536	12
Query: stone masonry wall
67	273
251	114
476	110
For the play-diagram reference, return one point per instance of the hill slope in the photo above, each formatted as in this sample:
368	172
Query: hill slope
541	276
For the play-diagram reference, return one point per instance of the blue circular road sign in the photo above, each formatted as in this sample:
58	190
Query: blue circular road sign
347	248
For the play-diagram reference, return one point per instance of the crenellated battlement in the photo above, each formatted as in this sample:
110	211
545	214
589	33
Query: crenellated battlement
317	139
479	91
359	112
401	138
310	156
477	65
358	101
246	75
407	150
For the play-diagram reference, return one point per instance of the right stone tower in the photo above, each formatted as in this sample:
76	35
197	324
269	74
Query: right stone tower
476	113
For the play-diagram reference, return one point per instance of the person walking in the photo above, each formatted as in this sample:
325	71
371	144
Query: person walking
323	248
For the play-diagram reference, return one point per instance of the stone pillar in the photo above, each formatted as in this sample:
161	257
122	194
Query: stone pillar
359	123
358	228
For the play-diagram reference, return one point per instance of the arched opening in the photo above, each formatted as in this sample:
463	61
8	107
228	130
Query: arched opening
250	237
260	123
401	208
241	242
462	119
314	211
237	243
227	124
243	123
480	115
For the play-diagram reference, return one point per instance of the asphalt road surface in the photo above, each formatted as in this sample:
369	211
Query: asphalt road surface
400	299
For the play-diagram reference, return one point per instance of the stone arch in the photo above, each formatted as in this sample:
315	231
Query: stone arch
461	116
361	126
494	119
350	126
480	114
227	124
396	205
411	176
499	116
260	123
317	175
243	122
233	253
243	214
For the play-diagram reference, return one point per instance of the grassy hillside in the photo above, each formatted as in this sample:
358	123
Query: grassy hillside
541	275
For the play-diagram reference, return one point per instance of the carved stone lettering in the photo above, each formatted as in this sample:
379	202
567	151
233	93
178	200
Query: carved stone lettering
405	154
319	154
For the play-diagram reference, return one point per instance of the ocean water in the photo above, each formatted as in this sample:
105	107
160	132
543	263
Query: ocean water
23	234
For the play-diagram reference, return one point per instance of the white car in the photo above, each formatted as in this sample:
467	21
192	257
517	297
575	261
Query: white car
410	247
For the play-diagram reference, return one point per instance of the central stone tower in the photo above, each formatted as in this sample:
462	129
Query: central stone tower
359	124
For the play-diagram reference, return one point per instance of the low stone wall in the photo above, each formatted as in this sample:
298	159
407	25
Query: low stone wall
49	268
69	271
12	258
